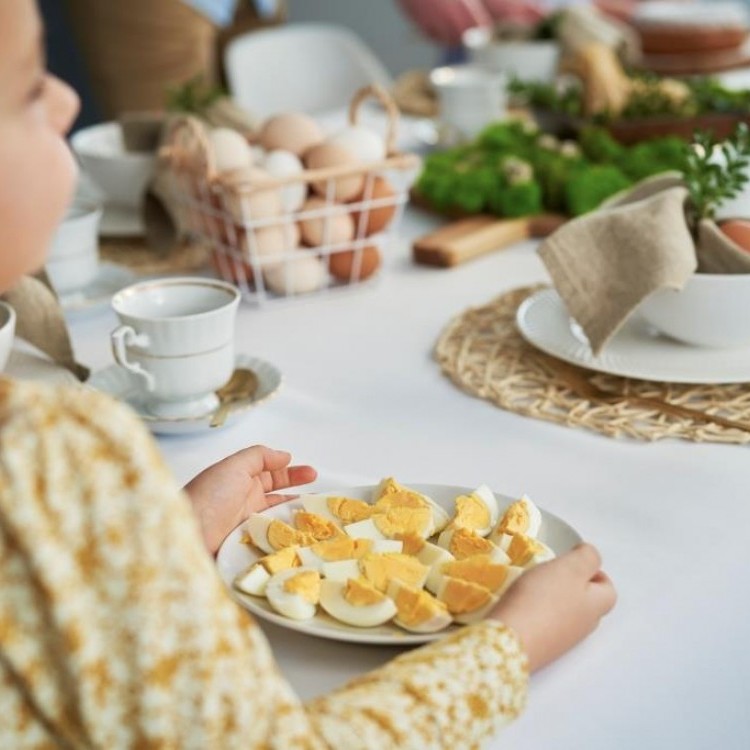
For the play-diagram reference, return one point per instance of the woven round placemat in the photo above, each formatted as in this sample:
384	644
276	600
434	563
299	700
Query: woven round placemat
135	254
483	353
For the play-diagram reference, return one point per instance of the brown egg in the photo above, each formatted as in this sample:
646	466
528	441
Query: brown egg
738	230
230	268
271	244
299	274
290	132
343	267
378	218
333	226
342	189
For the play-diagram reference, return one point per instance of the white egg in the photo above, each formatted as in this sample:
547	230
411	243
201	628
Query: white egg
389	485
364	530
439	618
321	504
253	580
525	551
363	142
258	154
520	517
270	245
333	599
295	604
477	545
281	164
445	594
341	570
256	527
230	149
249	195
298	275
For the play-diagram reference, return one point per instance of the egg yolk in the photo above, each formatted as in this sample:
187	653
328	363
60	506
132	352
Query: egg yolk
282	560
478	569
522	548
281	535
413	543
465	543
305	584
471	513
319	527
380	569
403	520
515	520
360	593
464	596
416	606
402	499
342	548
348	510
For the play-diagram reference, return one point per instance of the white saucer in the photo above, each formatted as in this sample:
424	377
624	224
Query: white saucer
124	386
110	279
121	221
637	350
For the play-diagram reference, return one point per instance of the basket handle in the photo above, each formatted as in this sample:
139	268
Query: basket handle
178	152
376	91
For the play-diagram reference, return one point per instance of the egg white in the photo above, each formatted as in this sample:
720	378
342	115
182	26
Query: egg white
365	530
256	527
253	580
546	553
534	515
497	555
363	616
440	518
341	570
287	603
487	499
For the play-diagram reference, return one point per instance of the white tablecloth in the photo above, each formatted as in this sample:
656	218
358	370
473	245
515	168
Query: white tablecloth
363	398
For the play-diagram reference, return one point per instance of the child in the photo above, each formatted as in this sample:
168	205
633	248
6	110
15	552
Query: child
115	630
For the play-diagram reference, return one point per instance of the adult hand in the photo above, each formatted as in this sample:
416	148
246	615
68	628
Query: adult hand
557	604
225	494
444	21
516	11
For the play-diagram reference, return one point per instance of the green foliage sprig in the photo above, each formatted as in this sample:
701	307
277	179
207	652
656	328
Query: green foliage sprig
194	96
715	171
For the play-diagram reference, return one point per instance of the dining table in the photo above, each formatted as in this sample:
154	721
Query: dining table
363	398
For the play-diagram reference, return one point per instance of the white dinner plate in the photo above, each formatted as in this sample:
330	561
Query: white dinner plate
98	293
125	386
121	221
234	556
637	350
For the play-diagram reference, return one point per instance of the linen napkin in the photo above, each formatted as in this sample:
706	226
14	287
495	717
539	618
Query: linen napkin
40	321
605	263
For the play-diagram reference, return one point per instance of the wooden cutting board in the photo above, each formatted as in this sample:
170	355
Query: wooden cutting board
474	236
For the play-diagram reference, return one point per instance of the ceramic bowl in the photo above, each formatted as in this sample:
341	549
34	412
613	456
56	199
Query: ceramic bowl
535	60
73	257
712	310
121	175
7	332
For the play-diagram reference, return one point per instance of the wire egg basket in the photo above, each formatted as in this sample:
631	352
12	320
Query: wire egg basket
262	254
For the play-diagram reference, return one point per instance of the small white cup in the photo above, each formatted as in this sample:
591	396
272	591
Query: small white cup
7	332
471	97
73	258
177	337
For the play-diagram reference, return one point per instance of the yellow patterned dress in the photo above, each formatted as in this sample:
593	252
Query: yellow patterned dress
116	631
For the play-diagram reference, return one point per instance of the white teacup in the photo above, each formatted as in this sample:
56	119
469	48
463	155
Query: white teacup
7	332
177	337
73	258
471	97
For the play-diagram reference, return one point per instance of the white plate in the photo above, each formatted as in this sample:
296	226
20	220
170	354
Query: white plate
637	350
124	386
234	556
108	281
121	221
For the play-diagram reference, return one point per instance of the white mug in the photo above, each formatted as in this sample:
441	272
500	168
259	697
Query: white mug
177	338
73	258
471	97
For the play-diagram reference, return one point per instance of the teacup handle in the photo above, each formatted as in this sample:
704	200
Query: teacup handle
122	337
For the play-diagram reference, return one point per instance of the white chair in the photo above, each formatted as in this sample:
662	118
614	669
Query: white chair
305	67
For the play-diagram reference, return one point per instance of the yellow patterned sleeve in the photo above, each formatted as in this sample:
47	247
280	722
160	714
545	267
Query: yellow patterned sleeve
116	632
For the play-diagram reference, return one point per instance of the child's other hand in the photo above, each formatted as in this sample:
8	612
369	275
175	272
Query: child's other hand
557	604
225	494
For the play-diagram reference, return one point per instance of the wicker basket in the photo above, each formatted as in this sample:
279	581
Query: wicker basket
207	203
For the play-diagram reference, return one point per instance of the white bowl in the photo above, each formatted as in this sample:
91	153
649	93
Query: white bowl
122	175
529	61
73	257
712	310
7	332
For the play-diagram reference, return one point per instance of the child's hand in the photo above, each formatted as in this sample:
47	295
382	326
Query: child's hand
225	494
557	604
